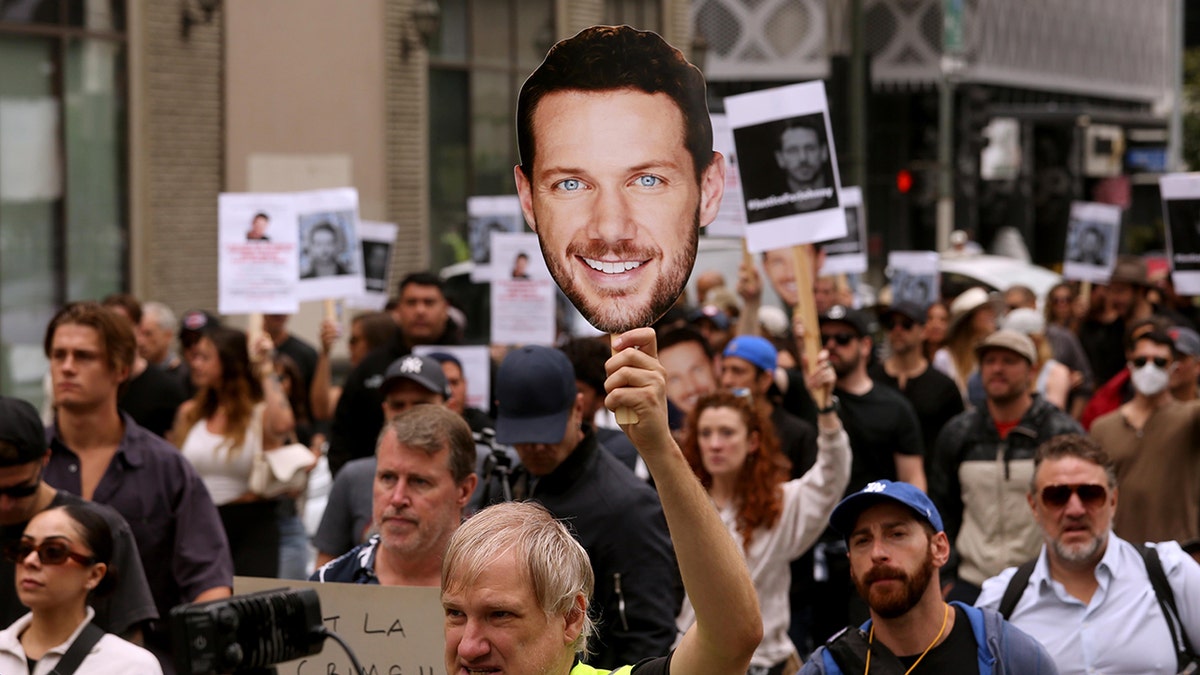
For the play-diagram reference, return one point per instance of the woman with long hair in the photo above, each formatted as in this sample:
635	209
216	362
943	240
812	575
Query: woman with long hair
731	445
1060	306
63	559
972	318
239	408
937	320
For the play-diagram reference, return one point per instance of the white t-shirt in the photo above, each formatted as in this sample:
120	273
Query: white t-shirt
110	656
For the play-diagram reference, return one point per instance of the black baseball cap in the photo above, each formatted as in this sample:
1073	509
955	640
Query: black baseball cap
22	436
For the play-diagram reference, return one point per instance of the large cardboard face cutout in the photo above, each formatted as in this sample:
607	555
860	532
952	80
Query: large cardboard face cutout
617	172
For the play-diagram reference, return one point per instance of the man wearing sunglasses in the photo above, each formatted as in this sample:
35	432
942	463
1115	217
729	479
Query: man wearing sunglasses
933	395
23	494
982	462
1154	441
1088	597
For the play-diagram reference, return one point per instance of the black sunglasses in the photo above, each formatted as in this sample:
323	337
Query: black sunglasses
1090	495
1160	361
889	322
841	339
49	552
23	490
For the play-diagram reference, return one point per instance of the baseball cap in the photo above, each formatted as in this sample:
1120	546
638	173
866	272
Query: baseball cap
757	350
423	370
909	310
1024	321
193	323
711	312
21	428
848	316
1010	340
1187	341
846	513
535	394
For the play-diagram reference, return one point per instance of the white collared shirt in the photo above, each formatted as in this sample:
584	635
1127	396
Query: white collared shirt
110	656
1122	630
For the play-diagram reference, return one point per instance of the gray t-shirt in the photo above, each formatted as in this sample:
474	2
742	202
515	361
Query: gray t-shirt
347	518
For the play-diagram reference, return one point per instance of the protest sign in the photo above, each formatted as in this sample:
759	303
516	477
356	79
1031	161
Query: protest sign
476	367
848	254
392	629
378	243
914	277
330	260
788	166
1181	209
1093	235
485	216
522	291
256	260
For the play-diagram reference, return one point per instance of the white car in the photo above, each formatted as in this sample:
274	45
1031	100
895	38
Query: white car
994	273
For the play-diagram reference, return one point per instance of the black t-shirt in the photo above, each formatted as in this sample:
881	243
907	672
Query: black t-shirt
152	398
933	395
303	354
958	654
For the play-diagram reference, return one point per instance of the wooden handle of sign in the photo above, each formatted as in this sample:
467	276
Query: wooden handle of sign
1085	295
254	327
330	310
623	415
802	267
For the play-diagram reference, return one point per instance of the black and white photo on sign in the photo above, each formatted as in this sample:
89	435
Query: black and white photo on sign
330	256
914	277
523	297
1093	236
848	254
378	243
1181	209
325	244
787	165
486	216
256	244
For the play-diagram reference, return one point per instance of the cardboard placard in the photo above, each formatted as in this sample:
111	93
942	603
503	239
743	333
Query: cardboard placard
392	629
256	259
378	241
522	292
487	216
848	254
915	277
1093	236
476	366
330	260
1181	210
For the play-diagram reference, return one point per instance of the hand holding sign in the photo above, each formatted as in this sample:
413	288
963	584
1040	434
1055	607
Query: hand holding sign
617	172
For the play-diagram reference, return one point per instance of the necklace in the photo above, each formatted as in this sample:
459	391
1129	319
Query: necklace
871	639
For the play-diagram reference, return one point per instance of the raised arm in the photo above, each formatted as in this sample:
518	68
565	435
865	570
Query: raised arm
728	625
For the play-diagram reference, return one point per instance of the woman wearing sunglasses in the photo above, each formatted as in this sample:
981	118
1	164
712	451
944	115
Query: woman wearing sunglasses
62	559
731	446
238	408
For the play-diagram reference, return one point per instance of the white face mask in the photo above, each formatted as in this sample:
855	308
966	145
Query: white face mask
1149	379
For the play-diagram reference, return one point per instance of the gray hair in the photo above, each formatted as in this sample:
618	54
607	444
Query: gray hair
163	316
555	564
431	428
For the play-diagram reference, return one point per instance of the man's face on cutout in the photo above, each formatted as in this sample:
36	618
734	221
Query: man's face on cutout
614	200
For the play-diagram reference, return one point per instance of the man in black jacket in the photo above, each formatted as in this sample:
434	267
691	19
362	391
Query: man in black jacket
615	515
423	317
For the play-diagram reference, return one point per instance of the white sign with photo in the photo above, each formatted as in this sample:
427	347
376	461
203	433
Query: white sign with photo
1181	209
914	277
522	290
731	218
330	259
787	165
848	255
487	216
1093	236
256	259
476	366
378	242
392	629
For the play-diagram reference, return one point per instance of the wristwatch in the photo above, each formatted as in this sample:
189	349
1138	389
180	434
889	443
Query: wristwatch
831	408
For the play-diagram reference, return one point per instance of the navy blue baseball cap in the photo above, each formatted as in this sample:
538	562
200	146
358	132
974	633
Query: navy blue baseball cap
535	394
757	350
424	370
846	513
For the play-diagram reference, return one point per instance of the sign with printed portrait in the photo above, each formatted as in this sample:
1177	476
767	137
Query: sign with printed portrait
1181	209
256	260
914	277
487	216
848	254
522	292
378	244
1093	236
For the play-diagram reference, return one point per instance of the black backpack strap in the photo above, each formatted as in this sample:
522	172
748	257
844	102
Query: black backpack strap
1166	600
79	650
1016	588
849	650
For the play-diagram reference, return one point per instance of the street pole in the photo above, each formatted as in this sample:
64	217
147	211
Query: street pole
952	63
858	97
1175	135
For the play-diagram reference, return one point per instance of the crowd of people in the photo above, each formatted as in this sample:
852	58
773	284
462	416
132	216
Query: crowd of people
991	467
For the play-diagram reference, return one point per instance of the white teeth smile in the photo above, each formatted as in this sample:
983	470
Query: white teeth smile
612	267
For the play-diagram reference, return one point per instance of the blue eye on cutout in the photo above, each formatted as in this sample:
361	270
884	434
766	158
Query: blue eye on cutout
649	181
570	184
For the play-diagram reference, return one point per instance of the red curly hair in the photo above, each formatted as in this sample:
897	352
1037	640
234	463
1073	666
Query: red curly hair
759	497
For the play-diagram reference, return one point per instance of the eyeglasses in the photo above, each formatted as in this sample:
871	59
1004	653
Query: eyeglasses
841	339
889	322
1160	361
49	553
1091	495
